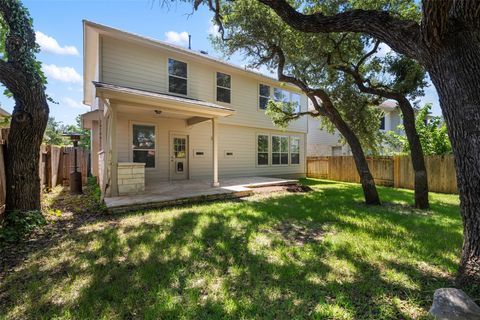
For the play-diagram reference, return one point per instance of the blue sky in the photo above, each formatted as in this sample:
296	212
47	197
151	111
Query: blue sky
58	24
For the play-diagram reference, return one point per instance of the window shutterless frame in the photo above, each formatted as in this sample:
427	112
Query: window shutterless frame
294	158
280	150
262	154
142	149
223	87
264	94
177	71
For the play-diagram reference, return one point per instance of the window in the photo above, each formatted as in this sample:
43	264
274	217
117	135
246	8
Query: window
295	99
223	87
382	123
262	150
280	95
264	96
144	145
294	150
177	77
279	150
179	148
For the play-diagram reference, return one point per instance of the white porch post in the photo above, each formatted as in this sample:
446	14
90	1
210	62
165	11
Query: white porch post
113	148
215	182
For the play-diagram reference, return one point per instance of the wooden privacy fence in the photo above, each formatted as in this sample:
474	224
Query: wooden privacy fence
55	163
387	171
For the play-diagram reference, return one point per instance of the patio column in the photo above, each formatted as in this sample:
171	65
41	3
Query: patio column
113	150
215	182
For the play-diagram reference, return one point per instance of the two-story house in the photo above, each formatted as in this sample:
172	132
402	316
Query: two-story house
164	113
323	143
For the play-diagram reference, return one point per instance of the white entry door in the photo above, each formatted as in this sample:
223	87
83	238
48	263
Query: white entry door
178	157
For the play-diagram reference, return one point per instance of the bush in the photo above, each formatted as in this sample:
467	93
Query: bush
18	224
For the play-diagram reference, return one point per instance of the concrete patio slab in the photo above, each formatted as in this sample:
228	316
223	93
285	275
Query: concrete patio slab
172	193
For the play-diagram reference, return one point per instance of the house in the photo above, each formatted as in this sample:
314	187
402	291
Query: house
161	112
323	143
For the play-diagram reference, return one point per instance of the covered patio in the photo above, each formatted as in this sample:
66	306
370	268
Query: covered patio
172	193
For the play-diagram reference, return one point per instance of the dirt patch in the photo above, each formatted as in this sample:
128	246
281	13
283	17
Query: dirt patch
294	188
300	232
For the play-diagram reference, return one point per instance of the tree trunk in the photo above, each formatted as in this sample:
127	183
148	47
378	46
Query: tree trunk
416	154
455	71
28	124
366	177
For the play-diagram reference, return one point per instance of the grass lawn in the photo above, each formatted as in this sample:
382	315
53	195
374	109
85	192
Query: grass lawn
321	254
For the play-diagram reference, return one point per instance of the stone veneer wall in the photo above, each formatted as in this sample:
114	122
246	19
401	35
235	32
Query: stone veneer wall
131	178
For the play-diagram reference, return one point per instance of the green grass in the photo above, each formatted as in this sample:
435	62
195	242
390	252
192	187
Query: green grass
321	254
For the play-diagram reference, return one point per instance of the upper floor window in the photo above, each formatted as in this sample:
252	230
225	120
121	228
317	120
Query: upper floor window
280	95
177	76
224	90
295	99
264	96
382	123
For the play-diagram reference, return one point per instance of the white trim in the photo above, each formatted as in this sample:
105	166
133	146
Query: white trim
288	150
172	133
168	78
268	151
258	95
217	86
131	123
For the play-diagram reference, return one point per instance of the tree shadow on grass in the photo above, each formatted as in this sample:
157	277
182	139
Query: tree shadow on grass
215	261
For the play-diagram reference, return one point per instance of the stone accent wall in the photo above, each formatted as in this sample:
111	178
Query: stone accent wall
131	178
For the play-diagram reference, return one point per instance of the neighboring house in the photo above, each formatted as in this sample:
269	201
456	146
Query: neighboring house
160	112
323	143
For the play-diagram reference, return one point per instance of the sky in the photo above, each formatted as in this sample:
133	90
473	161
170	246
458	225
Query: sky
58	27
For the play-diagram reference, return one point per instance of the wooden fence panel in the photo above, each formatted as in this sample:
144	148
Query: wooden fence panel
387	171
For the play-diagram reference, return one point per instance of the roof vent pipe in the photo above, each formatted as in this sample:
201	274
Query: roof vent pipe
190	41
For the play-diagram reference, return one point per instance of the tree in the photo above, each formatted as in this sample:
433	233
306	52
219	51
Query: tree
278	46
53	133
432	133
442	36
398	78
20	73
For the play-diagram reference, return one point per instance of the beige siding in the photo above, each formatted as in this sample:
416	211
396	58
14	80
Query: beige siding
320	142
237	139
142	67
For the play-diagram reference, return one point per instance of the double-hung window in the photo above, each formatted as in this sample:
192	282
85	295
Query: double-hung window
280	95
264	96
262	150
143	145
177	76
294	150
295	100
279	150
224	87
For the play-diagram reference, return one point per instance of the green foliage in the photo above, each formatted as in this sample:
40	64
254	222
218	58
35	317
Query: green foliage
55	129
255	31
432	131
17	225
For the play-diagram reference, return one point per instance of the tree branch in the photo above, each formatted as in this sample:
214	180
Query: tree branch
401	35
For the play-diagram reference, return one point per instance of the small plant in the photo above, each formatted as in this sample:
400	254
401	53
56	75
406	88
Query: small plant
17	225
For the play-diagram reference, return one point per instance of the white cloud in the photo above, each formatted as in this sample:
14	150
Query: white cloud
71	103
64	74
49	44
179	38
213	29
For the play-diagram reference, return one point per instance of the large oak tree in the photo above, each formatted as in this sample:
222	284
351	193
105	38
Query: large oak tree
21	74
